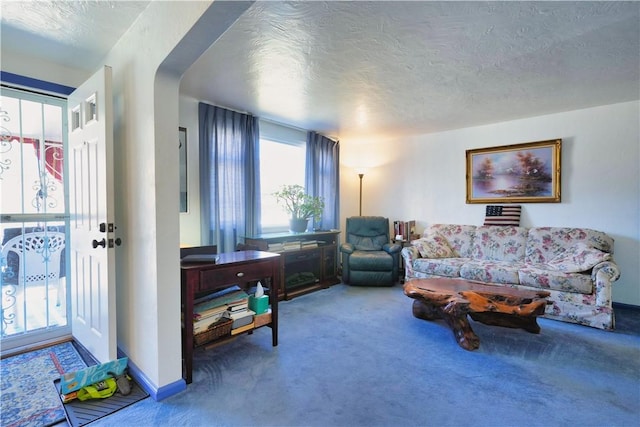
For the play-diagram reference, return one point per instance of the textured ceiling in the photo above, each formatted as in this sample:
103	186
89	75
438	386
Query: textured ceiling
71	33
364	69
375	69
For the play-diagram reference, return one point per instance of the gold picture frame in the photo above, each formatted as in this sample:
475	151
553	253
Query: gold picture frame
518	173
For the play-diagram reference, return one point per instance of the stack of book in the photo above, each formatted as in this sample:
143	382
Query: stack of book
309	244
202	321
284	246
276	247
213	307
292	246
241	315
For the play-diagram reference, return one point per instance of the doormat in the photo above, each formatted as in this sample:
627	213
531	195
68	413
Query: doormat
80	413
27	396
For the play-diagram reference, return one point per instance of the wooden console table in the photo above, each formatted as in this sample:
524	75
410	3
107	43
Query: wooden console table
310	266
233	268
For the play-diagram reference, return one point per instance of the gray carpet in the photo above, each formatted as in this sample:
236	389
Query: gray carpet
352	356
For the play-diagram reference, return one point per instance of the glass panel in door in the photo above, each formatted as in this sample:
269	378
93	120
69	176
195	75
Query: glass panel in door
33	216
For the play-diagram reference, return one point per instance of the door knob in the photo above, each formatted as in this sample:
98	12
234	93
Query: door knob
102	243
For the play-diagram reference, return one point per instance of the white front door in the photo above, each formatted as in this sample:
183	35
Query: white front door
91	230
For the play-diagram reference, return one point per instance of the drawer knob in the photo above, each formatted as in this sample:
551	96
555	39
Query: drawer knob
240	274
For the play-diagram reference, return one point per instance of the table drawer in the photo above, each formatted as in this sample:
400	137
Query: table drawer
235	274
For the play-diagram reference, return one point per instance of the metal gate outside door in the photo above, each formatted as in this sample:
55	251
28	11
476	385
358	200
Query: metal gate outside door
33	218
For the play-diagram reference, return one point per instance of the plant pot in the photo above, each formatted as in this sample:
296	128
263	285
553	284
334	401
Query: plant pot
297	225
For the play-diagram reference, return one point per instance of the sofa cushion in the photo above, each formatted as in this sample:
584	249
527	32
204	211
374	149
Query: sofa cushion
446	267
505	272
540	276
459	237
579	257
499	243
545	243
433	246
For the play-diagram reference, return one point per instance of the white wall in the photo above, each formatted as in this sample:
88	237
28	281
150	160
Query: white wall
146	151
148	62
423	178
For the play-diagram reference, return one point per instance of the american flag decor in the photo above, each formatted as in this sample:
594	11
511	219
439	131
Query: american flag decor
503	215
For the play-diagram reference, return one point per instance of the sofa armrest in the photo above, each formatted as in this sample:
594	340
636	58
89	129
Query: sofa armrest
606	268
409	253
603	275
391	248
347	248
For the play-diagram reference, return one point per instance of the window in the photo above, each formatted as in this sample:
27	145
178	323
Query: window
282	161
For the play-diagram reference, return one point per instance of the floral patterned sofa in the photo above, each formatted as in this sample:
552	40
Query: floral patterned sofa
574	264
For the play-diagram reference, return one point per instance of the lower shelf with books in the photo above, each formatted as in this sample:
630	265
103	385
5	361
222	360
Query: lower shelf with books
226	328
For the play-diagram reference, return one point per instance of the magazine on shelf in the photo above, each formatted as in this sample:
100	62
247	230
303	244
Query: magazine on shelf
200	258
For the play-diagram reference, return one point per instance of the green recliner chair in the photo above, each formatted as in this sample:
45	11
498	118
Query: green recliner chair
368	256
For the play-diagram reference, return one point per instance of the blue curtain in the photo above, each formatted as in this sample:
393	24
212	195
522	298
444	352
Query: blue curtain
322	177
229	176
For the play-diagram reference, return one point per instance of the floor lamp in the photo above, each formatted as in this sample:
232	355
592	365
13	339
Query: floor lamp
360	175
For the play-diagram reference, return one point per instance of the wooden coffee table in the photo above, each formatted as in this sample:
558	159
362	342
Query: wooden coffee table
454	299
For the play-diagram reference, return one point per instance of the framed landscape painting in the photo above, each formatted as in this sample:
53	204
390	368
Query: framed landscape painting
522	173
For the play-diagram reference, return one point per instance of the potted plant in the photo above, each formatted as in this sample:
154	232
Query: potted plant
300	206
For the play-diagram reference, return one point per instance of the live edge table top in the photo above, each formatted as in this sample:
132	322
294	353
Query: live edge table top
454	299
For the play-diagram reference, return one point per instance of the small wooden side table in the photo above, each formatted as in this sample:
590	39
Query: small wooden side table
233	268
